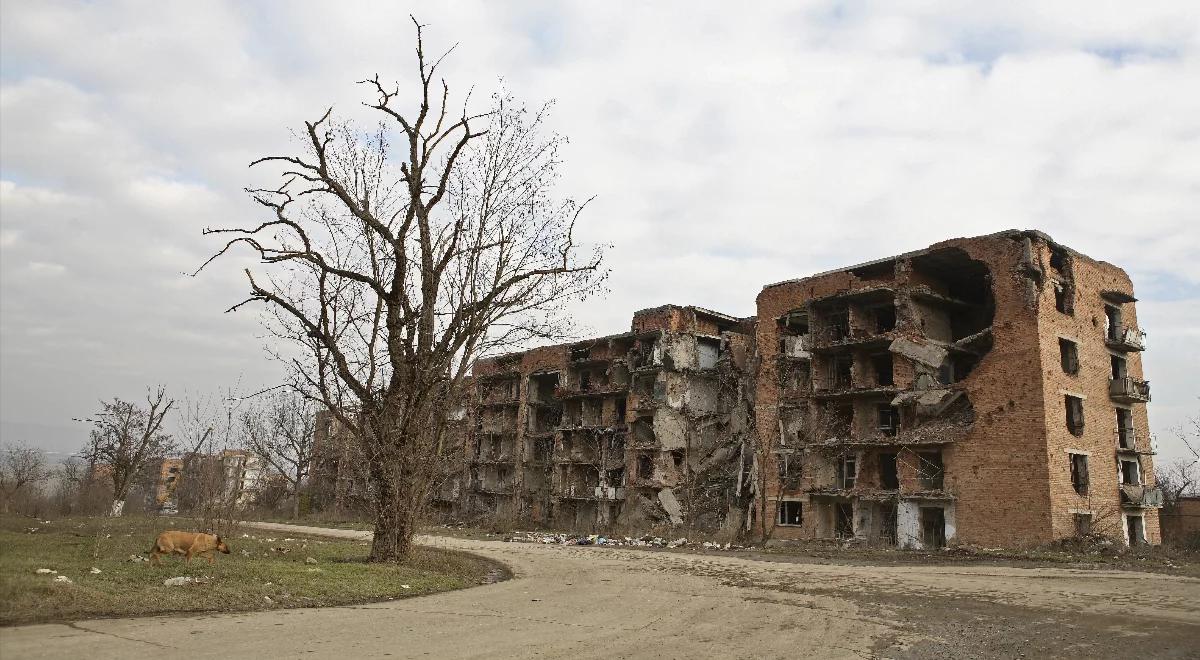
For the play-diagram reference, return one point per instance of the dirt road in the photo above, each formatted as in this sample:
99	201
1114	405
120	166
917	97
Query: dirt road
588	602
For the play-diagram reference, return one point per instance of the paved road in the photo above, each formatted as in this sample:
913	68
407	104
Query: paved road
587	602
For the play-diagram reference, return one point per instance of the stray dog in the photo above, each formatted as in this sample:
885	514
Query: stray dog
187	544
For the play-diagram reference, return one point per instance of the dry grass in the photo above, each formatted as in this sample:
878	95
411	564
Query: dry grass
265	570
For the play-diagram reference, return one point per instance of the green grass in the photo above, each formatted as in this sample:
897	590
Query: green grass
257	569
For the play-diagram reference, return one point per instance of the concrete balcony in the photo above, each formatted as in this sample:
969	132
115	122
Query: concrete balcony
1141	496
1122	338
1129	390
609	493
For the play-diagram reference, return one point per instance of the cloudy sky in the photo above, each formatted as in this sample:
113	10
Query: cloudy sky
726	151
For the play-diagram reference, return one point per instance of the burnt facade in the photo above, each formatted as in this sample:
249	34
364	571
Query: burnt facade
986	390
642	428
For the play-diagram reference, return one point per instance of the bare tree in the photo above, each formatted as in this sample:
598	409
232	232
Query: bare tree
21	468
70	478
399	256
125	438
280	431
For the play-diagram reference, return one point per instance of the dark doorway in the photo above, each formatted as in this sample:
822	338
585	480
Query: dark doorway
888	478
887	523
933	527
844	523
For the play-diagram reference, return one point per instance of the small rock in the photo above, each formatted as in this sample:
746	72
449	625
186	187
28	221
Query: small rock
62	578
268	599
95	571
45	571
310	560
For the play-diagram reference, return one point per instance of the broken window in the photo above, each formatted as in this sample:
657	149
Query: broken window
620	411
1079	473
889	479
887	523
790	513
1068	353
677	458
1083	524
616	477
885	318
1074	406
580	353
882	364
645	466
585	380
840	369
933	527
847	472
844	521
790	468
1125	436
1131	472
931	472
1064	298
1119	369
889	420
1112	322
839	325
1137	531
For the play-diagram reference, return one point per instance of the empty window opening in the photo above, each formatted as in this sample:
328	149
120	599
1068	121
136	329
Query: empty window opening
1079	473
1064	298
930	470
840	369
933	527
790	469
839	325
585	380
882	365
1058	259
1068	352
620	410
616	477
1131	473
790	513
885	318
1112	322
1083	524
580	353
840	418
1074	408
1125	436
844	520
889	420
677	458
847	472
1119	367
889	479
645	466
1137	530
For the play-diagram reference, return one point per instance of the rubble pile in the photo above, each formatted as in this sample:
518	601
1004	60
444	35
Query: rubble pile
646	541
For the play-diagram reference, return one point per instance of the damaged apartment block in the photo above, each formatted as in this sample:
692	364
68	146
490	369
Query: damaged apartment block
639	429
986	390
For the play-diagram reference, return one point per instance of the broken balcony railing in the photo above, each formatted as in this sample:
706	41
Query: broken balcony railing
1142	496
1131	440
1129	390
1125	338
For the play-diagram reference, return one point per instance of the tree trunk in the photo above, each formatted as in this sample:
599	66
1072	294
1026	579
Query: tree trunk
118	507
395	521
296	504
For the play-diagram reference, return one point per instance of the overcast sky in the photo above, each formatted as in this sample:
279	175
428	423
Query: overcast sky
726	150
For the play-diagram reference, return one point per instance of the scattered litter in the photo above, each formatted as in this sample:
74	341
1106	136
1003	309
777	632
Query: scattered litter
268	599
137	558
95	571
310	560
245	553
45	571
315	570
32	530
62	578
405	586
536	600
178	581
245	536
281	550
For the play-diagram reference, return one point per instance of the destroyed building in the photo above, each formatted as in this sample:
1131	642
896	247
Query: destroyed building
984	390
642	428
987	390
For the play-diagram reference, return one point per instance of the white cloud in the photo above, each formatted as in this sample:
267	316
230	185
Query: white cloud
726	149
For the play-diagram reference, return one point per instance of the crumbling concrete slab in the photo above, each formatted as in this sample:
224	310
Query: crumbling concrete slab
927	354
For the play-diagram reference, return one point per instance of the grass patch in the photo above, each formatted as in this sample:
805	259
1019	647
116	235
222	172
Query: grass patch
265	570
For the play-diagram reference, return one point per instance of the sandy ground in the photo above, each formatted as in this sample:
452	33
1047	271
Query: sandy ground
589	602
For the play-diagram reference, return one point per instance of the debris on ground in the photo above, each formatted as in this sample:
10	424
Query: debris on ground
45	571
137	558
310	560
646	541
95	571
62	578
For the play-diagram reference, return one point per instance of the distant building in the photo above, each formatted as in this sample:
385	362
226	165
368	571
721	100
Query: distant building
1181	520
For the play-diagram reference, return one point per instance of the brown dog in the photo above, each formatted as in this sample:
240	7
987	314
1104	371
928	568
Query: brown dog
187	544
